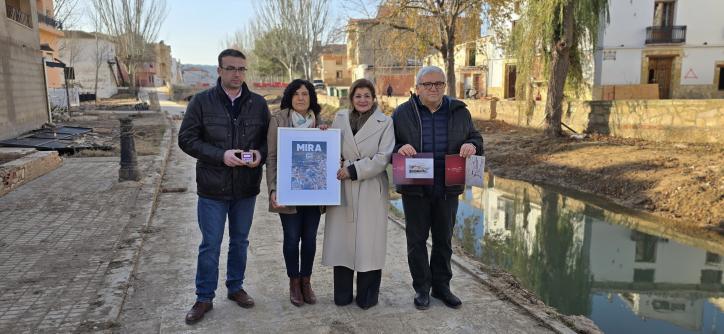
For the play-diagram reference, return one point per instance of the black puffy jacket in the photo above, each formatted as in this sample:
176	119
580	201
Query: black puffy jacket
460	130
207	131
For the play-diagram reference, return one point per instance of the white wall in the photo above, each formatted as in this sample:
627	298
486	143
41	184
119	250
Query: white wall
613	258
84	64
630	18
625	69
702	63
626	35
628	22
704	21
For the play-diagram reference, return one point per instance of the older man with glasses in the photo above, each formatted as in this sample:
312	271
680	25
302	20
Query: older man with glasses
225	128
432	122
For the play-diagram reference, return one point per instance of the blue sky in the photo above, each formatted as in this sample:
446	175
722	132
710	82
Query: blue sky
196	29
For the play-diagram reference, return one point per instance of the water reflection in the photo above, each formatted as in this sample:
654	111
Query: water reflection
582	259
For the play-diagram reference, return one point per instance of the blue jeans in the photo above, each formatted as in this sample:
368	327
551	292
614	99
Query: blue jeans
212	216
301	226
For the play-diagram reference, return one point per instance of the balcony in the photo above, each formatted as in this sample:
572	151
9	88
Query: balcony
19	16
666	35
42	18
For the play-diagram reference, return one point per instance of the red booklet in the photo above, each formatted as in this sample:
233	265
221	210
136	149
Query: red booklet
454	170
468	171
415	170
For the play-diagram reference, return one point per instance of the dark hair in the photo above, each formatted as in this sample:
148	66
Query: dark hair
361	83
230	53
289	94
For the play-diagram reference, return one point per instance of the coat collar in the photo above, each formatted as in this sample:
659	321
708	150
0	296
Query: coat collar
373	125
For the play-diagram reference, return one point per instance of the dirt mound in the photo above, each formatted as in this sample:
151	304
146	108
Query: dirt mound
683	182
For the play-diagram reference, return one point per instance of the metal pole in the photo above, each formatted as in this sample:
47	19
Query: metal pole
129	164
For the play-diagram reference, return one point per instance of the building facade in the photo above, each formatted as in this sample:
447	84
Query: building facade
333	66
23	99
371	56
51	32
164	63
661	49
88	53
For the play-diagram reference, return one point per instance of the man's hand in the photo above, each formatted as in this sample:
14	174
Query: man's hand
467	150
274	203
342	174
407	150
231	160
257	159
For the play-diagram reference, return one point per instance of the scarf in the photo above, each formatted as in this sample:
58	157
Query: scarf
299	121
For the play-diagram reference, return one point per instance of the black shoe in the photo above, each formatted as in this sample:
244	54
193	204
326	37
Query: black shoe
366	306
422	300
448	298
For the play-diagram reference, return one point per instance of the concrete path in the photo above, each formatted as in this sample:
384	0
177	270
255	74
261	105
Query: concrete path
162	290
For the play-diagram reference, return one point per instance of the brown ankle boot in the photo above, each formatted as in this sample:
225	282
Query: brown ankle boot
295	291
307	291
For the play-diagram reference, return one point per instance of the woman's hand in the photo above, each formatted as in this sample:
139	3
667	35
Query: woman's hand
342	174
323	127
273	198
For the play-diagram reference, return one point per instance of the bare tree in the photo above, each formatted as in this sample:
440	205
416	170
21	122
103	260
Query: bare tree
243	40
296	31
437	23
102	54
133	25
67	12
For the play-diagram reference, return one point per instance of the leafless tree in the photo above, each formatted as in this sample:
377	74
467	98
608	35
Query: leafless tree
297	30
243	40
444	22
133	25
102	53
68	12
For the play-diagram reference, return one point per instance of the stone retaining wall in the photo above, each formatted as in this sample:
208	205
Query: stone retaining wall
693	121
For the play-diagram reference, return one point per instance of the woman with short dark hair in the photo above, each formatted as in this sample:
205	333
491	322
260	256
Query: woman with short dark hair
299	109
355	233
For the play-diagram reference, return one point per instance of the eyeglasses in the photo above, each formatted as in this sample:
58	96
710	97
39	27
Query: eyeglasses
436	84
234	69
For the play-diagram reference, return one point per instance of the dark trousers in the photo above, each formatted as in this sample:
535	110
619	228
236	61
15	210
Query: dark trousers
300	227
368	286
425	215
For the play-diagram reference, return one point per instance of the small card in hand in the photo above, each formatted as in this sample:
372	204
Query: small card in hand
245	156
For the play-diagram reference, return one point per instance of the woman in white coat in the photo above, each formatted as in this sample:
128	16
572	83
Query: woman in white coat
355	233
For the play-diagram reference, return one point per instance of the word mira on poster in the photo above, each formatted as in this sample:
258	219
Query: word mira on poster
309	169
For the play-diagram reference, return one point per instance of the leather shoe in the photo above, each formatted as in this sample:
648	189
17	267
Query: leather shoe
197	312
422	300
307	292
242	299
295	291
448	298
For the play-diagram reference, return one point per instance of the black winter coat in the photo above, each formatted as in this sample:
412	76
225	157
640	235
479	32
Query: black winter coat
460	130
207	131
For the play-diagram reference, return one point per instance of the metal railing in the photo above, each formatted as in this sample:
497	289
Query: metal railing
19	16
664	35
42	18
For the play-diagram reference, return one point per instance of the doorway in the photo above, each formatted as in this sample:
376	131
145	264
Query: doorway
659	72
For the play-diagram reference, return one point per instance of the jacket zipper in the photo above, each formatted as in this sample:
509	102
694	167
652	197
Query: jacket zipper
419	120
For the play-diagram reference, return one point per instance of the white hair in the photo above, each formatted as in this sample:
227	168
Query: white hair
427	70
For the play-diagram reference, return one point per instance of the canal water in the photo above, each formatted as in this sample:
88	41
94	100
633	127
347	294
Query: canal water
626	273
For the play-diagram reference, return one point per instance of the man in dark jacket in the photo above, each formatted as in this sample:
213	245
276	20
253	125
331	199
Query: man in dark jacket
432	122
222	125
